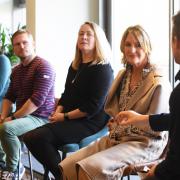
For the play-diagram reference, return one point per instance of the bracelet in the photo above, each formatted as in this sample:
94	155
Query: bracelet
66	117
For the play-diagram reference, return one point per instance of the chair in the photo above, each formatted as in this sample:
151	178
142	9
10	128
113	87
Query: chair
69	148
143	167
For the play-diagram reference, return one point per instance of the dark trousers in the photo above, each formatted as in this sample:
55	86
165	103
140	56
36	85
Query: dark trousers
43	145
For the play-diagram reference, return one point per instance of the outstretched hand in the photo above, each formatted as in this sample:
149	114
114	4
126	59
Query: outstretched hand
131	117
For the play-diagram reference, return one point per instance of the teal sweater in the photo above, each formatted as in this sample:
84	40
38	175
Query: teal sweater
5	71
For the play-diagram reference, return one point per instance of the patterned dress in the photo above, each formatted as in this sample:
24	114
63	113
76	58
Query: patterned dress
125	94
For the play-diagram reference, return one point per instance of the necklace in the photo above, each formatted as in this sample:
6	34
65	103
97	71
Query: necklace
79	71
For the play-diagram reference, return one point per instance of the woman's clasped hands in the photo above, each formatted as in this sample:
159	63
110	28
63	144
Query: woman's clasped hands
56	116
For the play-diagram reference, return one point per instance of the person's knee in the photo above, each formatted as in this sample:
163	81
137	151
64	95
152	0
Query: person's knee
4	129
26	137
33	137
30	137
81	174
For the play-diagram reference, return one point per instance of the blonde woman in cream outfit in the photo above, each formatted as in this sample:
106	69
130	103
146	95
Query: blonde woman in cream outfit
139	87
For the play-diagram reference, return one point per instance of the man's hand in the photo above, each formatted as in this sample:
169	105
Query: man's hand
127	117
5	120
131	117
8	119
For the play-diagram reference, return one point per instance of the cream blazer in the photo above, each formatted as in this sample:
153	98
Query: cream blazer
144	100
150	98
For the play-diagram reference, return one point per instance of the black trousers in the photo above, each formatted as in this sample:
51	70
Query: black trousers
44	141
42	144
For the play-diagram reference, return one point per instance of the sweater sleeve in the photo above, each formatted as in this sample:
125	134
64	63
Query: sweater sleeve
45	77
62	100
5	70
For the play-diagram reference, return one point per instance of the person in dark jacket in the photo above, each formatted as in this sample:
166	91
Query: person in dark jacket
168	169
80	111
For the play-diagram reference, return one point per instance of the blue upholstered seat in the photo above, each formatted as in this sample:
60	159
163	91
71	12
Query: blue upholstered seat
68	148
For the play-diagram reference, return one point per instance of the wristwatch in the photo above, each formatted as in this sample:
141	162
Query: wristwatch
13	117
66	117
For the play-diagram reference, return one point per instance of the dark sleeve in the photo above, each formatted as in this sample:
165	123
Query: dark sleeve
45	77
169	168
102	76
160	122
62	100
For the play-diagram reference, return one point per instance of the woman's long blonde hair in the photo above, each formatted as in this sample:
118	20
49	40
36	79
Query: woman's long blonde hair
102	47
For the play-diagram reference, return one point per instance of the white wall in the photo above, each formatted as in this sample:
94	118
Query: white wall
6	13
11	17
18	17
153	16
55	27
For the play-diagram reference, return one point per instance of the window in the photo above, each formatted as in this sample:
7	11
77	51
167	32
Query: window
153	16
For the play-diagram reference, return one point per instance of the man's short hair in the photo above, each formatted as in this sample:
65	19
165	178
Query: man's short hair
21	31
